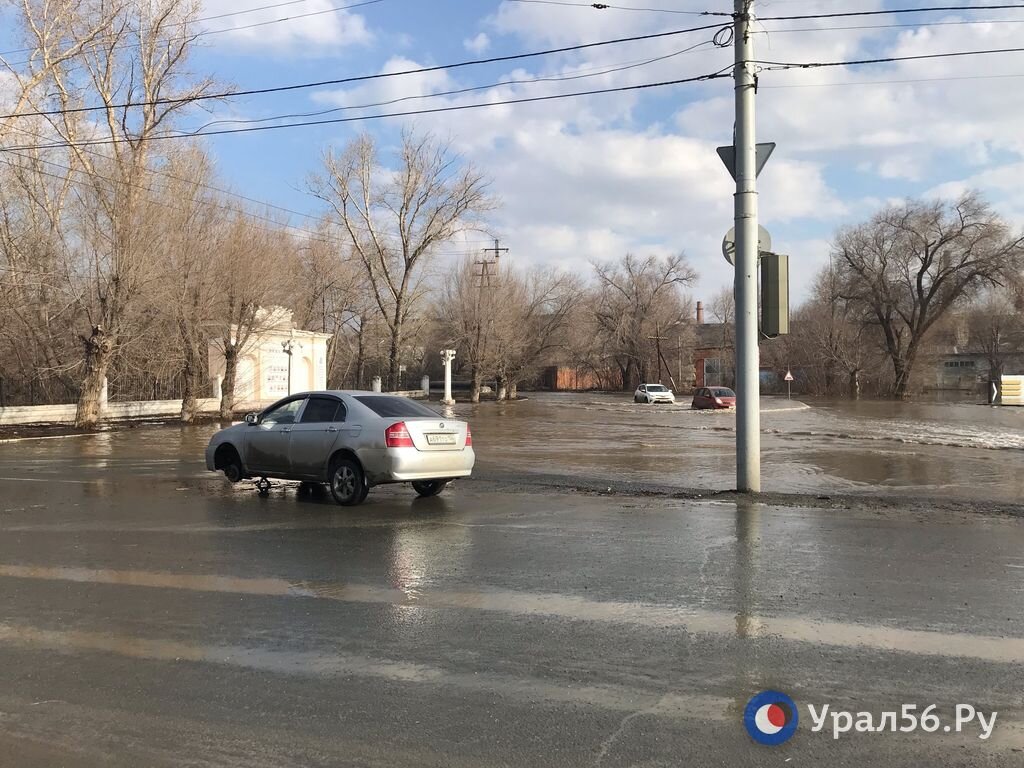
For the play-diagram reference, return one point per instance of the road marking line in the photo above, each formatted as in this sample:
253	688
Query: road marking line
633	702
324	664
1003	650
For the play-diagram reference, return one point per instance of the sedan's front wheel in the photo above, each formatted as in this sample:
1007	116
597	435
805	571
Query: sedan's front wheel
348	486
427	488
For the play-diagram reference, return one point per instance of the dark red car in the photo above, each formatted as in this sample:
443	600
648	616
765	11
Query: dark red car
713	397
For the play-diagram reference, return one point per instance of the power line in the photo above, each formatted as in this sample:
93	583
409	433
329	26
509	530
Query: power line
219	190
777	65
409	113
607	7
933	9
889	11
596	71
364	78
312	236
210	187
579	75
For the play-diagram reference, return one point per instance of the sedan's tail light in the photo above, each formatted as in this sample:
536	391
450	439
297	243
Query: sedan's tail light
469	437
397	436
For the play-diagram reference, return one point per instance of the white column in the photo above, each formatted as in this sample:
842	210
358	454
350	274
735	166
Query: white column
447	355
425	386
376	383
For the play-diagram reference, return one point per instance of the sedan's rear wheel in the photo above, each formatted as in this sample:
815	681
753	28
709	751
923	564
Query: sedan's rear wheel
427	488
348	485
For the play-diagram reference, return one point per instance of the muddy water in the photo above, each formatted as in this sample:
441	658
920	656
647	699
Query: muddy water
958	450
963	450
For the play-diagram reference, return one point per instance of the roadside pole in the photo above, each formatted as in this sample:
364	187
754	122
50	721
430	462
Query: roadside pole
748	416
447	355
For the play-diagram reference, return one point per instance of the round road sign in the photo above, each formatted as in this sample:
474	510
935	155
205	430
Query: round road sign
764	243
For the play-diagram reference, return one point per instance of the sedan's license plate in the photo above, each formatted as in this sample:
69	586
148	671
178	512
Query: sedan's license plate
440	439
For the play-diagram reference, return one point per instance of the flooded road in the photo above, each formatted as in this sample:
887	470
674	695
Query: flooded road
152	614
956	450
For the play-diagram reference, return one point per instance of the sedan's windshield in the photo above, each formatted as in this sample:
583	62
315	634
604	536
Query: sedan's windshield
723	392
656	388
388	406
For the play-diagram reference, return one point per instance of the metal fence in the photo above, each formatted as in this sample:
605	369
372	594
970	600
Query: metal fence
130	387
37	390
121	388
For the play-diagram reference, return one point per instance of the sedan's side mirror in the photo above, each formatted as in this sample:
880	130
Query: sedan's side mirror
252	418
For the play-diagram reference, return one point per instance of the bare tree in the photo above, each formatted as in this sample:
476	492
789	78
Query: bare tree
466	313
396	219
537	305
135	75
910	264
188	251
332	296
56	34
723	310
35	252
835	330
996	329
637	299
255	267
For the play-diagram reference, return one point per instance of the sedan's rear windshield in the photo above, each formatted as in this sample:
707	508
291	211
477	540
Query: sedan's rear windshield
388	406
656	388
723	392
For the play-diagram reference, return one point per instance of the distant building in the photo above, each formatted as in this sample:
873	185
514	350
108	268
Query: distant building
262	373
562	378
714	354
962	364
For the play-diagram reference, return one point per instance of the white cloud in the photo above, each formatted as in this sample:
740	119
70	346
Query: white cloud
395	90
477	44
324	31
594	177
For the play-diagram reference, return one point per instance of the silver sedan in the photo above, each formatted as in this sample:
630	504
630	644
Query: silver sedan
349	440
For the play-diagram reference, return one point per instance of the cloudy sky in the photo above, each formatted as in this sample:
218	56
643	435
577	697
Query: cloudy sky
593	177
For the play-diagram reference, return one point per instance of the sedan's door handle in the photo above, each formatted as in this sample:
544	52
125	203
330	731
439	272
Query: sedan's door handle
332	429
286	430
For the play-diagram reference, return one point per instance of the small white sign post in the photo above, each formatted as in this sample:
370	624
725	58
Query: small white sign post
447	355
789	385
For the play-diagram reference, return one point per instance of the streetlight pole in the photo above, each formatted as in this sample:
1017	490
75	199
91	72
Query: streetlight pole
748	416
288	346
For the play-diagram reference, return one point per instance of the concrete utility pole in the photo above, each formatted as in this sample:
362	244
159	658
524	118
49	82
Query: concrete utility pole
748	395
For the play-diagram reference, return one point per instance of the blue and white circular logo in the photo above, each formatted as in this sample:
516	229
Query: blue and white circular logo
771	718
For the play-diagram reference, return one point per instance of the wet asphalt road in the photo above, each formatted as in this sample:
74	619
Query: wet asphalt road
150	614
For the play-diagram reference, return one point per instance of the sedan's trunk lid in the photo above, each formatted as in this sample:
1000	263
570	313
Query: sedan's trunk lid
437	434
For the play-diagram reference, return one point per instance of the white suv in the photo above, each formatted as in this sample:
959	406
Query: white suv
653	393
